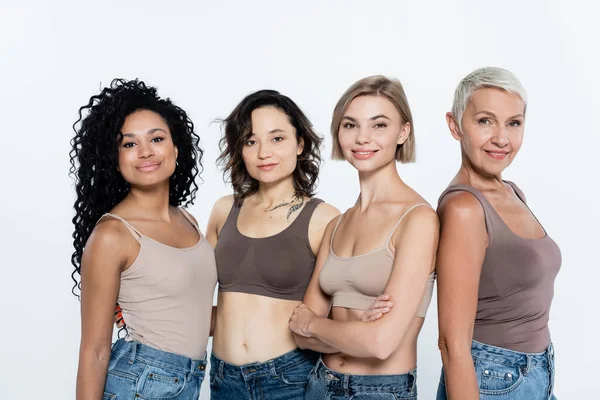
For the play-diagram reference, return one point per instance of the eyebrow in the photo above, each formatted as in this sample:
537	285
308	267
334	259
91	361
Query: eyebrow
494	115
272	131
149	132
373	118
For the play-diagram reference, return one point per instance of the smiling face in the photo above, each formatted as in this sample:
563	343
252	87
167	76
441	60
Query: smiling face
492	129
370	132
147	155
271	150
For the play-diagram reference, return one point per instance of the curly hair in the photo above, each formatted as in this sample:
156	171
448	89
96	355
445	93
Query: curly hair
94	156
237	130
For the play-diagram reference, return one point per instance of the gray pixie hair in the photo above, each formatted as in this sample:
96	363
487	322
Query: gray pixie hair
486	77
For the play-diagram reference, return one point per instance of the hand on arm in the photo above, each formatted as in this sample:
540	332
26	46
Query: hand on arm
416	243
315	300
101	266
463	242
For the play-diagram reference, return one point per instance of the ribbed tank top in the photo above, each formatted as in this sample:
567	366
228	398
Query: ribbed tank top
167	294
516	284
278	266
355	282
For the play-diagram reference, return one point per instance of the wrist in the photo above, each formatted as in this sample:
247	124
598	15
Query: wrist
312	326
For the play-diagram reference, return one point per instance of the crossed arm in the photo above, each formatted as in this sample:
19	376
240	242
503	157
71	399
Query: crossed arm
415	243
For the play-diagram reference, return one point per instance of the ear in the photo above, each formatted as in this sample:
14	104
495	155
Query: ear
176	153
454	126
404	133
300	146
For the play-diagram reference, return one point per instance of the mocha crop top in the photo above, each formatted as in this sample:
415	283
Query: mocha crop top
278	266
355	282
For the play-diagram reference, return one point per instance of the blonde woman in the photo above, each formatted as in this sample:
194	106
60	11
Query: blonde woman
385	243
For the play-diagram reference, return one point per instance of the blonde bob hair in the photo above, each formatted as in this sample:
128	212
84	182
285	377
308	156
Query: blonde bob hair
377	85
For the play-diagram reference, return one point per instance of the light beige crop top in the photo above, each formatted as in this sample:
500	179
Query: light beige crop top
355	282
167	294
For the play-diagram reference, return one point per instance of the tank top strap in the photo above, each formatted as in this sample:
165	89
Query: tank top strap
518	191
401	218
302	221
188	216
488	211
231	220
306	213
134	232
334	231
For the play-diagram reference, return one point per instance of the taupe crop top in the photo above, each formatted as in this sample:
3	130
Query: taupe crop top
167	294
278	266
355	282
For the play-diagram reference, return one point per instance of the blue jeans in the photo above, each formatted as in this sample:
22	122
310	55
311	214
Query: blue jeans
282	378
510	375
139	371
327	384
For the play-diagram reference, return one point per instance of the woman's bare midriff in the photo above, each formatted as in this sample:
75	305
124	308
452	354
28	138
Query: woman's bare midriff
403	360
252	328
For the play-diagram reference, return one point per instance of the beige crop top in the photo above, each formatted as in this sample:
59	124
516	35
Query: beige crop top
355	282
167	294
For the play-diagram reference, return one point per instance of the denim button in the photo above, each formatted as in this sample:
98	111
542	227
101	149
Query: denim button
509	375
201	367
487	372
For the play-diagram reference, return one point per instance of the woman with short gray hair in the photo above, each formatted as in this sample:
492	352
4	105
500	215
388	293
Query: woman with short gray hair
496	265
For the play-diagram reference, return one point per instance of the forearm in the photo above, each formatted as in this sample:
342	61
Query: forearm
459	375
91	375
312	343
354	338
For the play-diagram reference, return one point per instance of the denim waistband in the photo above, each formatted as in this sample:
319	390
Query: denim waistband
360	383
513	358
264	368
159	358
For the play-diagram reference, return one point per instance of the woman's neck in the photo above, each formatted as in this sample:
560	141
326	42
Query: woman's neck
476	177
379	185
149	202
271	194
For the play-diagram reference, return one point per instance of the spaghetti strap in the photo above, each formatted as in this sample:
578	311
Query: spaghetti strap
136	234
401	218
188	216
333	233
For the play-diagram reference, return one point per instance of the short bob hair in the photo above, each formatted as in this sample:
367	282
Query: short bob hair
237	129
377	85
487	77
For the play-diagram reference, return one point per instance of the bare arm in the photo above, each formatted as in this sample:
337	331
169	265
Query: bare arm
101	266
217	219
416	244
463	241
314	297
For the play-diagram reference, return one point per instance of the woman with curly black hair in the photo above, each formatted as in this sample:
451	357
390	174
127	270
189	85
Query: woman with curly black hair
135	157
266	236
